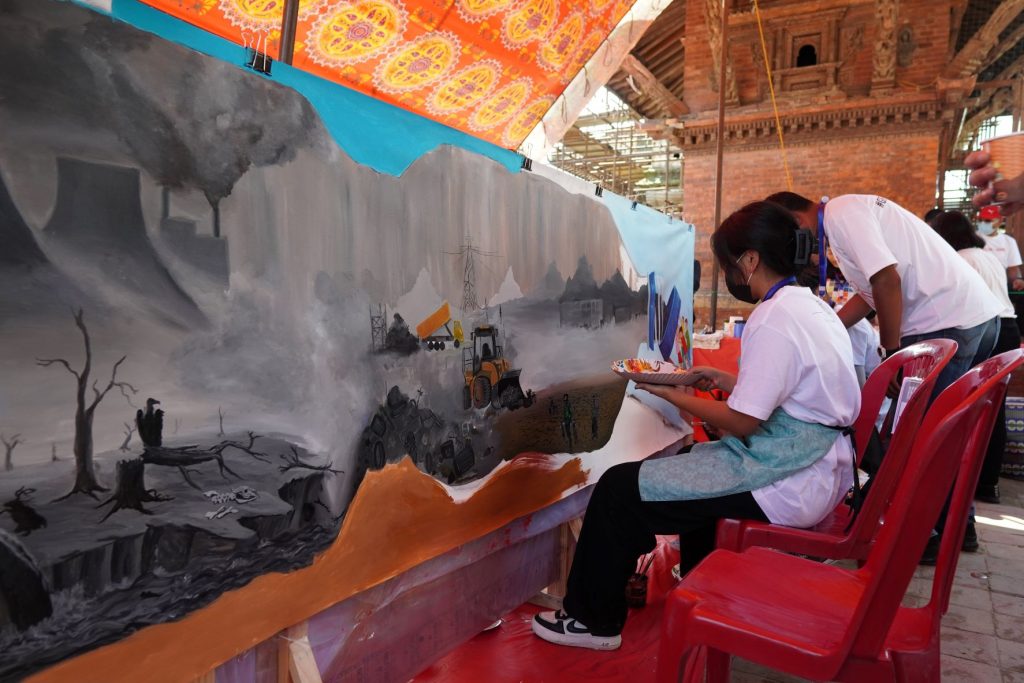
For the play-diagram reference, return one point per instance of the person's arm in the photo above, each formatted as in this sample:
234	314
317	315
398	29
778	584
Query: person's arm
853	311
1013	263
887	291
1014	278
718	413
983	175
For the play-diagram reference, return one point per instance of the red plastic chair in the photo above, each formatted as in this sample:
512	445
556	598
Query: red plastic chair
816	620
912	646
834	537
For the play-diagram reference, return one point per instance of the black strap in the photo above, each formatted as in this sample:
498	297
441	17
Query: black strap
855	496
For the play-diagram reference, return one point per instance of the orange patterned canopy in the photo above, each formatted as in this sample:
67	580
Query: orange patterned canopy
491	68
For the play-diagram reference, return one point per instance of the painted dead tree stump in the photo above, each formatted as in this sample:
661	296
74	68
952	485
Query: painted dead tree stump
131	492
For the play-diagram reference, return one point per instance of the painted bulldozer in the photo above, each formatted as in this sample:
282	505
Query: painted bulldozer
489	377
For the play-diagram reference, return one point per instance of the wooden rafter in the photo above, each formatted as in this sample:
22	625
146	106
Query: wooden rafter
1004	46
649	84
957	10
972	57
1001	100
1010	73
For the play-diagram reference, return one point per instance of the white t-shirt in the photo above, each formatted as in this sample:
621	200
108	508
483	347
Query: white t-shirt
940	291
987	264
865	342
796	355
1005	249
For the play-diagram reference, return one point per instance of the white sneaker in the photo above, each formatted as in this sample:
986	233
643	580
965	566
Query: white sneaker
561	629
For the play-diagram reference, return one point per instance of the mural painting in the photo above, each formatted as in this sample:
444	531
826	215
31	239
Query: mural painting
216	327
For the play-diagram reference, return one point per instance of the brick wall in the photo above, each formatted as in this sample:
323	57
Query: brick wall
868	154
902	168
929	21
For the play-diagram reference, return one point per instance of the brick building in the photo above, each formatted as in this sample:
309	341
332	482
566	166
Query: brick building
874	96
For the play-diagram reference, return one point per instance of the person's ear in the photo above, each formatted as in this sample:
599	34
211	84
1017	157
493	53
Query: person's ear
751	259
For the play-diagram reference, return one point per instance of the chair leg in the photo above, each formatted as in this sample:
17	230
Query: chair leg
918	667
705	660
691	669
718	666
677	658
856	670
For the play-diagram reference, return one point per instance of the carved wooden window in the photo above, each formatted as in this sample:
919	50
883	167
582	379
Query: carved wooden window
807	55
807	52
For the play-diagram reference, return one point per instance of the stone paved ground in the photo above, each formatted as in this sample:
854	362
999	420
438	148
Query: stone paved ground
983	632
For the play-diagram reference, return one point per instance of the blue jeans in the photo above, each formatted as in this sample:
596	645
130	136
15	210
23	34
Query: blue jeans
974	345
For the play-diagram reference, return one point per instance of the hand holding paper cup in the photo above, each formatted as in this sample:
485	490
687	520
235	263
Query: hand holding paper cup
999	170
1006	153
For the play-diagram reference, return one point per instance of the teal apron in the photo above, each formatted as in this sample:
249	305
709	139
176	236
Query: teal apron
781	446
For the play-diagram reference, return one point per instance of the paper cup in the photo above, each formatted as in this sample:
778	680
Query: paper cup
1007	152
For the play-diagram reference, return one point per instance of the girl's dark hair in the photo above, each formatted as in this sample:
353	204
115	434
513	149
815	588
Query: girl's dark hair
790	200
955	228
764	227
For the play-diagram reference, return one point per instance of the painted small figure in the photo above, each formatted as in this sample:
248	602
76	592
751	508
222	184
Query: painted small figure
568	422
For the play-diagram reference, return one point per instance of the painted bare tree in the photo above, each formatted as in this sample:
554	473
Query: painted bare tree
128	431
85	474
9	446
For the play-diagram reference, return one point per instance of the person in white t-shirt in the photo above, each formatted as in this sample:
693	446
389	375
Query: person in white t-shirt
1002	245
955	228
864	340
786	457
902	269
915	282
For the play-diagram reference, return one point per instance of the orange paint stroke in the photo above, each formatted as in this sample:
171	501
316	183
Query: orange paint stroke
399	518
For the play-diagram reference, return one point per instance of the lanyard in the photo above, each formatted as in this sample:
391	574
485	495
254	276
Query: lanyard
777	286
822	256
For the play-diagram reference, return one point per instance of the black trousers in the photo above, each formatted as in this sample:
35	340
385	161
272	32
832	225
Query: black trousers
1009	339
619	527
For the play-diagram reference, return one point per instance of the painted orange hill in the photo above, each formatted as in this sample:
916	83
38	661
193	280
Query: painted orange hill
399	518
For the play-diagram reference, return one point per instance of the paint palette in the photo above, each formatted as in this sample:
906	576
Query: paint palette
653	372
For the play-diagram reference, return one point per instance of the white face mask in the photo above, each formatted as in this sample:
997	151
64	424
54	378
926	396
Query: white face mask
985	228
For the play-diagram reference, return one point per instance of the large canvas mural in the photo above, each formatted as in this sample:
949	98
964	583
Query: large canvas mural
217	329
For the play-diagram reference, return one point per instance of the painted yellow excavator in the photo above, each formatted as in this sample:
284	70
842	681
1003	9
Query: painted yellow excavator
489	377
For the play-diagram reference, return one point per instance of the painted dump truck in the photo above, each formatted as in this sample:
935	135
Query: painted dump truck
438	329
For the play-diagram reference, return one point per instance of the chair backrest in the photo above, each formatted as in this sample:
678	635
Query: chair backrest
944	436
967	480
924	360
